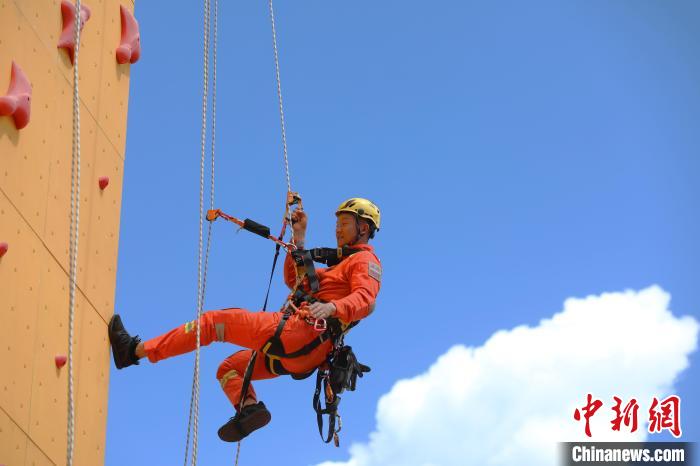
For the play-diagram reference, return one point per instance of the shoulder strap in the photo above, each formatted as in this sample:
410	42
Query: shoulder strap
302	258
331	256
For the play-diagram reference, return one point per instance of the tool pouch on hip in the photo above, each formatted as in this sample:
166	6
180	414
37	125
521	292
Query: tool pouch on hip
344	370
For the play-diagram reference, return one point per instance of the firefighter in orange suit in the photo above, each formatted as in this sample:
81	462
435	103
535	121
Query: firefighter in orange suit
346	294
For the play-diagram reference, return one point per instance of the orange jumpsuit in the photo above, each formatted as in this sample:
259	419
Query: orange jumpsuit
352	286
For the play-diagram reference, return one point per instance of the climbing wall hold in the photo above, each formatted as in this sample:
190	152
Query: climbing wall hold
60	361
103	182
129	50
17	102
3	249
67	39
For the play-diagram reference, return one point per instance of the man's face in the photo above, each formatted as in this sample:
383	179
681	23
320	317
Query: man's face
345	229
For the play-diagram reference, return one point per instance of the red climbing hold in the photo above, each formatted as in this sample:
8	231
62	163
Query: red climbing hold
17	102
104	181
60	361
3	249
67	39
129	50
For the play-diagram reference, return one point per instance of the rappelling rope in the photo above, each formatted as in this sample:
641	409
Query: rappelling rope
279	98
213	100
289	183
193	422
74	234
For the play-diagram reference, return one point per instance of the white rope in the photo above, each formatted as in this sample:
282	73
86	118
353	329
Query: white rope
279	98
202	273
213	101
238	451
284	150
74	233
193	422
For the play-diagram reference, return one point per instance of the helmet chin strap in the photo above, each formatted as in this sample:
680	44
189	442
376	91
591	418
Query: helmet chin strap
357	235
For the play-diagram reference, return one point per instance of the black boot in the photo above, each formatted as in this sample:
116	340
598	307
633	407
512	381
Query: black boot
123	344
250	418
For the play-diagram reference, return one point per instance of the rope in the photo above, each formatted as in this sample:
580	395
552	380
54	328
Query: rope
202	271
279	98
289	190
238	451
193	422
74	234
213	100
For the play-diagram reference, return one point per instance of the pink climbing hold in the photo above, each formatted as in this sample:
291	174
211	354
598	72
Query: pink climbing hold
129	50
60	361
67	39
3	249
103	182
17	102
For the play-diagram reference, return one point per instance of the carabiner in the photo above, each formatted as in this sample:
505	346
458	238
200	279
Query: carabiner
320	325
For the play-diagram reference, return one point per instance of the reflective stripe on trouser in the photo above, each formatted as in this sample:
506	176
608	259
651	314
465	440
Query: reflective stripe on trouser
237	326
231	371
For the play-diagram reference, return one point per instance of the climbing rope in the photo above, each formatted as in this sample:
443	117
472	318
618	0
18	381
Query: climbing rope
74	226
213	101
288	211
238	452
193	421
279	98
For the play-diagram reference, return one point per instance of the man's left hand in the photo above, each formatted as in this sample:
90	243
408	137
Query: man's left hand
321	310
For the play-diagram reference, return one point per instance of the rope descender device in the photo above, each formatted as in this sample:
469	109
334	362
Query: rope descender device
262	230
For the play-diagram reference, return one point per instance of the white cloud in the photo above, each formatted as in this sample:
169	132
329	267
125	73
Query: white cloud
509	401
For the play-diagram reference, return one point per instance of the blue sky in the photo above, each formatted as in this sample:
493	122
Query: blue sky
521	152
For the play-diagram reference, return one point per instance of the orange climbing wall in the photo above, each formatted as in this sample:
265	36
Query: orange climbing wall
34	220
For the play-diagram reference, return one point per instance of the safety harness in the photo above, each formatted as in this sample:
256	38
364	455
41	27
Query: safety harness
329	329
341	368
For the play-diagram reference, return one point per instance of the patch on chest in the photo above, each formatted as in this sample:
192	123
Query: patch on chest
375	271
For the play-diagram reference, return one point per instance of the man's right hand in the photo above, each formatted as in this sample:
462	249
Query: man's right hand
299	221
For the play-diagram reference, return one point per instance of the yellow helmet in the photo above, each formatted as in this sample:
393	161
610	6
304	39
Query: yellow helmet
362	208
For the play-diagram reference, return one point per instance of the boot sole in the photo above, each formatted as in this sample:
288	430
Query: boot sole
234	431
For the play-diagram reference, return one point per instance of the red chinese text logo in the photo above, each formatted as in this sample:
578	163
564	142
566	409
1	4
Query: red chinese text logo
663	415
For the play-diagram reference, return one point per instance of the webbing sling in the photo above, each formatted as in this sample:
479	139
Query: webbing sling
331	409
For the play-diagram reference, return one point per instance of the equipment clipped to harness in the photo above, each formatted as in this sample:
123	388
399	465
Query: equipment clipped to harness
293	200
338	375
344	370
257	228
